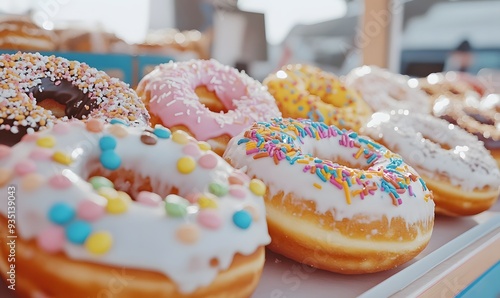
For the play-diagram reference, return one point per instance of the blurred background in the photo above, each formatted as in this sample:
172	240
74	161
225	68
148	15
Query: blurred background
260	36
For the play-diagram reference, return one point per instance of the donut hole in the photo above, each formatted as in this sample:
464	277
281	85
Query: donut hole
55	107
483	119
441	144
210	99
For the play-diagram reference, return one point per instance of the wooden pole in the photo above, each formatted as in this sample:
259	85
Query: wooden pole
374	38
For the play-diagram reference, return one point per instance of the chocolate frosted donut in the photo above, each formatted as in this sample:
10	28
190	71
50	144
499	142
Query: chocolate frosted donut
38	90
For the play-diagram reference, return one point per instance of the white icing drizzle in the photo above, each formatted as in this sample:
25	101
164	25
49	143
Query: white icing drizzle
467	163
144	237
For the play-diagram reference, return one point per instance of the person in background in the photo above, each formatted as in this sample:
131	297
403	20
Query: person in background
461	59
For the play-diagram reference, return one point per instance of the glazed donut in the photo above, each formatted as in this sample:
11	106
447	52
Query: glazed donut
21	34
485	124
455	165
37	90
450	84
384	90
230	101
305	91
323	213
78	228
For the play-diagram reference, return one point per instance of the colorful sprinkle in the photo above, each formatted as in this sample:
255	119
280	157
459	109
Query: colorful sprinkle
148	198
110	160
253	211
208	161
205	202
242	219
5	151
118	130
78	231
107	143
161	132
46	142
62	158
204	146
61	128
59	182
188	233
24	167
118	204
148	138
218	189
209	218
186	164
29	182
51	239
118	121
191	149
257	187
99	243
61	213
176	206
41	154
180	137
237	191
5	176
99	181
107	192
94	125
91	210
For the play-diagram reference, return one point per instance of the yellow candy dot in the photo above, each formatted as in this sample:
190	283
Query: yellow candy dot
46	142
257	187
117	205
124	196
108	192
186	164
180	137
5	176
62	158
204	146
206	202
99	243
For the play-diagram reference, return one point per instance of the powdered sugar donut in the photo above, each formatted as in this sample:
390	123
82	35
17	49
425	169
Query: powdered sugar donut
172	220
455	165
384	90
229	101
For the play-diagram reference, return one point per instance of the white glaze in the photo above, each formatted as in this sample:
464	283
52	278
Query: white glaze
467	164
144	236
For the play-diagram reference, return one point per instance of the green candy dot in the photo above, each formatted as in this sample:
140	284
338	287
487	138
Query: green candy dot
176	206
99	181
218	189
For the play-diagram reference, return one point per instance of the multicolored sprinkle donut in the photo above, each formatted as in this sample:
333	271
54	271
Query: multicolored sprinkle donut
305	91
335	200
174	219
455	165
38	90
229	101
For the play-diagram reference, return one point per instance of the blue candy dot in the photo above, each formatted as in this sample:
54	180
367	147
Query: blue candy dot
242	219
78	231
118	121
161	132
107	143
110	160
61	213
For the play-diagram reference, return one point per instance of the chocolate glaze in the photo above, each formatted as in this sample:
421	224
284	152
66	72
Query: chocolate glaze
76	102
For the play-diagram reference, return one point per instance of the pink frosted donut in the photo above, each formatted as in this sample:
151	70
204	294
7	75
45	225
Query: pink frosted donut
231	101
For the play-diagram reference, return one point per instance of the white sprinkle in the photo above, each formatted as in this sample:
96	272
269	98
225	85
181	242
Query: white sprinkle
162	86
179	114
188	112
199	120
171	103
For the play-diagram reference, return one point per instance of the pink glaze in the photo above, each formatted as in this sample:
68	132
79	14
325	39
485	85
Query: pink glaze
174	100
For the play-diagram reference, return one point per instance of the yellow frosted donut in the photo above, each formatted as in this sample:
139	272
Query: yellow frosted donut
305	91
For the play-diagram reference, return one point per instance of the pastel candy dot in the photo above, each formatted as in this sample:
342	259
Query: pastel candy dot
61	213
180	137
176	206
110	160
41	154
24	167
188	233
5	151
118	121
208	161
99	243
237	191
118	130
257	187
161	132
94	125
46	142
148	198
186	164
78	231
107	143
59	182
51	239
253	211
242	219
148	138
218	189
205	201
30	137
30	182
204	146
5	176
108	192
191	149
193	197
91	210
209	219
62	158
99	181
118	205
124	196
61	128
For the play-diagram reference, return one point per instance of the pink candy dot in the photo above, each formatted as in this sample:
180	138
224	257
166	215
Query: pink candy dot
193	197
208	161
5	151
51	239
30	137
237	191
90	210
148	198
209	219
24	167
59	182
61	128
191	149
39	153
